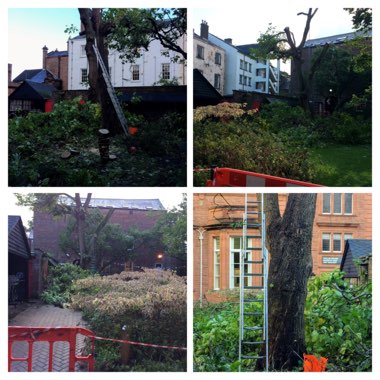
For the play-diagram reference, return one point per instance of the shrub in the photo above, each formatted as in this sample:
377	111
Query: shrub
339	322
150	306
60	283
338	325
245	146
216	336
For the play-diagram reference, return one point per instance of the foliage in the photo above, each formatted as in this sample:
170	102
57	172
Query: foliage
247	145
222	111
110	244
172	228
216	337
149	306
60	283
135	28
337	326
339	322
361	18
37	141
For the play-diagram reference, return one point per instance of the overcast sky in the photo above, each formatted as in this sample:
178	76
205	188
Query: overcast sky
169	197
244	25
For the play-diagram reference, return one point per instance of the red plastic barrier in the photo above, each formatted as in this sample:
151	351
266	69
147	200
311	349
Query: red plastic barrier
312	364
226	177
50	335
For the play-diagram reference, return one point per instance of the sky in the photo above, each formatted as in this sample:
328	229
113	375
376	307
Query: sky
245	27
30	29
169	199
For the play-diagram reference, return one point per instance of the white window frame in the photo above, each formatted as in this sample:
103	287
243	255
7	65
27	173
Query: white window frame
165	71
200	52
233	263
329	240
341	204
352	203
337	234
218	58
347	236
329	203
216	263
217	79
84	75
135	72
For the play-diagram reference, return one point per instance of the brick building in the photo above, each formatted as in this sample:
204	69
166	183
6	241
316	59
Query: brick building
142	214
57	63
338	217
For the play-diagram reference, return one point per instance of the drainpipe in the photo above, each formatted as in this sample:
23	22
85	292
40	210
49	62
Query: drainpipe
201	231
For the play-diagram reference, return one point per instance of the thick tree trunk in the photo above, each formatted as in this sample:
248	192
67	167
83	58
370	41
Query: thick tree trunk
95	32
289	239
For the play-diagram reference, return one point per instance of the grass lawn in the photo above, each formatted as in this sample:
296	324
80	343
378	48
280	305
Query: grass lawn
343	165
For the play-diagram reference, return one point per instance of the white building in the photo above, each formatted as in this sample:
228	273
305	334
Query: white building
210	60
242	72
154	66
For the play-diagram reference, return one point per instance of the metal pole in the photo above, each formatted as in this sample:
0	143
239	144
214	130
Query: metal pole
265	279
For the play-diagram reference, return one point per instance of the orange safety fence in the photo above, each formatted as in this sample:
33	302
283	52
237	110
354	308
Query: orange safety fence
227	177
312	364
50	335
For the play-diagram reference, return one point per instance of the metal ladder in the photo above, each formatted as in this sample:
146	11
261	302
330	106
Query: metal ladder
111	91
253	324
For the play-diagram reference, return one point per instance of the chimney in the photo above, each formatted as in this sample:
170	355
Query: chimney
9	72
228	40
204	30
44	55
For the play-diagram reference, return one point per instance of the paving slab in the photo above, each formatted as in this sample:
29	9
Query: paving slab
47	316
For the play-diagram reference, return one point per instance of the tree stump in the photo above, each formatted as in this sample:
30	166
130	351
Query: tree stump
104	144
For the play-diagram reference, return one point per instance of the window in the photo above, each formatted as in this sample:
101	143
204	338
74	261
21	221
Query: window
241	64
337	243
84	76
326	203
325	242
216	263
337	203
249	82
165	71
341	203
217	81
245	80
135	72
83	50
245	66
236	244
347	236
348	203
218	59
200	52
240	79
250	67
20	105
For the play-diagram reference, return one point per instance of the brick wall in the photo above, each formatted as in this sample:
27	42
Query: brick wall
359	224
58	65
47	230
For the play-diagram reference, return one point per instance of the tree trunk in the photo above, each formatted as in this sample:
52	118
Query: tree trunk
95	32
79	214
94	265
289	243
